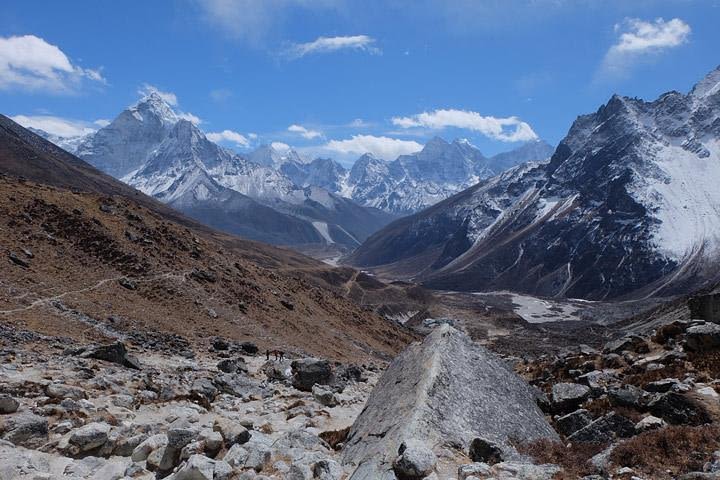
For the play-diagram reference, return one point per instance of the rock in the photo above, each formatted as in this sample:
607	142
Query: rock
144	449
445	390
198	467
701	338
679	409
8	404
89	437
249	348
415	460
14	258
114	353
232	365
60	391
127	283
309	371
662	386
124	447
572	422
237	385
327	470
604	429
568	396
236	456
649	423
324	396
220	344
632	343
212	442
474	470
275	370
24	429
258	457
627	396
484	451
232	432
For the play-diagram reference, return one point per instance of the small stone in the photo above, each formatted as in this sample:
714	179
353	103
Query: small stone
8	404
415	460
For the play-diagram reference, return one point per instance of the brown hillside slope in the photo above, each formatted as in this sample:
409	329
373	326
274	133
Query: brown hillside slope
104	261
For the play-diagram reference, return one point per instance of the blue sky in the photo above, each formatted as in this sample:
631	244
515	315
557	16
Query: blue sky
335	77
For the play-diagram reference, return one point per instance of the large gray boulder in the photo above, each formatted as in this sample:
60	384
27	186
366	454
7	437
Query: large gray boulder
446	390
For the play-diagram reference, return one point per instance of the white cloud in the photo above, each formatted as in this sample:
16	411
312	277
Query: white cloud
102	122
333	44
62	127
229	136
30	63
194	119
280	146
509	129
639	39
221	95
382	147
304	132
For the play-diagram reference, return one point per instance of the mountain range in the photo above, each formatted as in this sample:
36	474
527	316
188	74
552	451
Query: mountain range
272	194
627	206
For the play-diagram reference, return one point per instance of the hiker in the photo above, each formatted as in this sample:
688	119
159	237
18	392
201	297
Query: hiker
267	355
282	355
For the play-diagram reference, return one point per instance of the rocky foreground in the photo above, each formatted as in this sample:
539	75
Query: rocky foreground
446	408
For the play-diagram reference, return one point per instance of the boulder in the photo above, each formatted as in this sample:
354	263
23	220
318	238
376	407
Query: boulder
649	423
679	409
8	404
485	452
415	460
632	343
89	437
61	391
627	396
232	432
604	429
232	365
324	396
309	371
24	429
327	470
114	353
572	422
704	337
445	390
662	386
569	396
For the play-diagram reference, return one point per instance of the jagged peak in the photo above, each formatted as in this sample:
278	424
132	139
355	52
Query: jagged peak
710	85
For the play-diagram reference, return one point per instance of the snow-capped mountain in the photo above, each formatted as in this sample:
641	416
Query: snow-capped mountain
124	144
627	206
172	160
412	182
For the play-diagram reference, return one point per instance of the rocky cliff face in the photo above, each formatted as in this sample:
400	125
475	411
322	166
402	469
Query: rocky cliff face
627	205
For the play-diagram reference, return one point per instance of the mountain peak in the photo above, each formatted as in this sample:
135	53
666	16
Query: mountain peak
710	85
154	106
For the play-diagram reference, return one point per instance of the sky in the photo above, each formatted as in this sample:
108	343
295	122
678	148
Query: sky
342	77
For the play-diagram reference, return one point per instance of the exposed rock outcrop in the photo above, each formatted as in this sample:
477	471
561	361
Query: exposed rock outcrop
443	391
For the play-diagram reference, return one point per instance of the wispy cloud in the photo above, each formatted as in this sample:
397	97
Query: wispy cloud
640	39
382	147
509	129
30	63
229	136
251	21
304	132
333	44
61	127
221	95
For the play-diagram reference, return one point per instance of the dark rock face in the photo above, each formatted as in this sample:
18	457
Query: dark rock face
604	429
568	396
679	409
310	371
700	338
24	429
483	451
445	391
115	353
565	228
572	422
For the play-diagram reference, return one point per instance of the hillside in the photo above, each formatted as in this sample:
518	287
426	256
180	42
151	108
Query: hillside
88	257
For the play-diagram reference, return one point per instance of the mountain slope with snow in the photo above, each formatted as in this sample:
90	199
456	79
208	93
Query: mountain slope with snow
627	206
156	151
